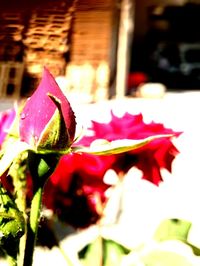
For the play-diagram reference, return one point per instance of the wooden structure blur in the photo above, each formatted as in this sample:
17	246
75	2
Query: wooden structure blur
91	41
46	40
11	74
124	38
66	36
11	50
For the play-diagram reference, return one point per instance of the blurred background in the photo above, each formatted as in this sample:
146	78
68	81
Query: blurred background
126	55
99	49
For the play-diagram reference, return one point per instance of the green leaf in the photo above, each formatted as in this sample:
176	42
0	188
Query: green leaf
113	253
10	152
173	229
12	224
103	252
92	253
165	258
11	219
165	253
104	147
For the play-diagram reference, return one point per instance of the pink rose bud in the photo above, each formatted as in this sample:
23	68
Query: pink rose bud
47	121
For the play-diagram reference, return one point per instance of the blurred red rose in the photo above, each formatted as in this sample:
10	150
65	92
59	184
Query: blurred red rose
76	191
150	158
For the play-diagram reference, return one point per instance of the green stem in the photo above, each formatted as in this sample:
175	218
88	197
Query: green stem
62	251
32	227
22	245
41	167
66	257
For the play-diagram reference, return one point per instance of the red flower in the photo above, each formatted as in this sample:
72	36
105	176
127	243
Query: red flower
47	120
76	191
154	157
150	158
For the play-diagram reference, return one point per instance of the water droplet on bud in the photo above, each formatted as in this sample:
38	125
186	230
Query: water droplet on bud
23	116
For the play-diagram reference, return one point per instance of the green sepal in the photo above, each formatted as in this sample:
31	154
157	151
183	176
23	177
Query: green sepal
55	135
104	147
41	166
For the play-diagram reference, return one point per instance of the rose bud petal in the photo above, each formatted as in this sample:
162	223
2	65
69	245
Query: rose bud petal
47	120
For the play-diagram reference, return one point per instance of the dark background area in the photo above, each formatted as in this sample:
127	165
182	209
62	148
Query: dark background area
169	52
